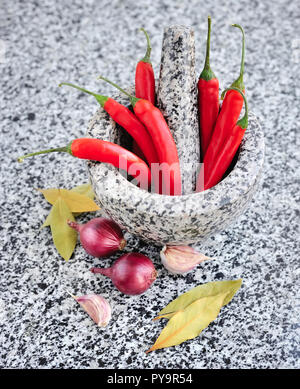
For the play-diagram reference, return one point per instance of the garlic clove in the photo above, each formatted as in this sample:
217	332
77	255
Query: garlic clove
181	259
97	307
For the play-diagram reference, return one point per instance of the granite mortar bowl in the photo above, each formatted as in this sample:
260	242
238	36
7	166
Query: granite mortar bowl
186	219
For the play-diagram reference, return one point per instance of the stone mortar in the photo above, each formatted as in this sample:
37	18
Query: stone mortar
187	219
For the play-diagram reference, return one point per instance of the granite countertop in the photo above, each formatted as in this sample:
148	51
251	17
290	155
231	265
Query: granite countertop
44	43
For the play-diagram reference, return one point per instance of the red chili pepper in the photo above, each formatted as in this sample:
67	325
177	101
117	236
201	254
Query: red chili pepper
227	118
162	138
137	151
208	98
229	148
126	119
103	151
144	76
145	80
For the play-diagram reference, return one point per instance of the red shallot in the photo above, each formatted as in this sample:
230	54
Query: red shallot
100	237
132	273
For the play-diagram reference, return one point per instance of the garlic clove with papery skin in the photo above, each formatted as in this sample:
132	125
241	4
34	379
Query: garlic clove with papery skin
181	259
97	307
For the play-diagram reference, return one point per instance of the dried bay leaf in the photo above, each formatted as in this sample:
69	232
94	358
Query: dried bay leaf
51	195
75	201
191	312
66	204
190	321
205	290
85	189
47	222
64	237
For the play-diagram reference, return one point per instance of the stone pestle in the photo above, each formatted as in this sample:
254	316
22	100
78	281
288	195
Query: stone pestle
177	99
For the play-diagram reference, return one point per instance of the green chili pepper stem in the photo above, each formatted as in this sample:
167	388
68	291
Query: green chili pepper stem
149	48
101	99
239	82
243	122
133	99
66	149
207	74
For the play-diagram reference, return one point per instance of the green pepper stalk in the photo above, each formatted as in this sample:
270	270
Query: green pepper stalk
239	82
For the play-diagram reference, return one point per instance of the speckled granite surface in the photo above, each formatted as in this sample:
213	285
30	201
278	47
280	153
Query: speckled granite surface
41	326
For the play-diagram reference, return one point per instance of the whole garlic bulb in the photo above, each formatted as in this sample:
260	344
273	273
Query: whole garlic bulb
181	259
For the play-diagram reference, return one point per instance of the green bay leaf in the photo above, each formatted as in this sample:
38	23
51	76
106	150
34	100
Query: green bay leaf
64	237
205	290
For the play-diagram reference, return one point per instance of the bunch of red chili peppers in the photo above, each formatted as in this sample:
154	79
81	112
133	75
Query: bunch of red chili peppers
219	129
154	160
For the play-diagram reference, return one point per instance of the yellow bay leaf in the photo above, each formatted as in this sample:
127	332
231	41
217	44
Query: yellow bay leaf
85	189
205	290
51	195
64	237
47	222
75	201
190	322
